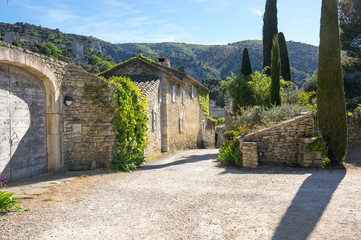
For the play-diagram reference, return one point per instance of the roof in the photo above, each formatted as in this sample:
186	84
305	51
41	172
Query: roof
146	86
174	75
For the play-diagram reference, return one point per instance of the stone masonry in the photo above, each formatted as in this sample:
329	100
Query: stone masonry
279	144
78	136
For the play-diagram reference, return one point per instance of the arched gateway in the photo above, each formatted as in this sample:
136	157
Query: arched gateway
38	132
30	141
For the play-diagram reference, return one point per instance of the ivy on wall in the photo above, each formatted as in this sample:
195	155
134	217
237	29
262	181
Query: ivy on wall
128	107
203	98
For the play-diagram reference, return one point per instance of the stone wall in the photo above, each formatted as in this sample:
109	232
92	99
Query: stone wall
279	144
354	131
87	133
287	143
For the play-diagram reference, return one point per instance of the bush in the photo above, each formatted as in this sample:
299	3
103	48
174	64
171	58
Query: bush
230	153
310	84
257	117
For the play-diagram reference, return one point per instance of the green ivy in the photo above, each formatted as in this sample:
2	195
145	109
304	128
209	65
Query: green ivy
140	56
203	98
128	107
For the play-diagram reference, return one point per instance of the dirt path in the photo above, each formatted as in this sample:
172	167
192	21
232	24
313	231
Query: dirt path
186	195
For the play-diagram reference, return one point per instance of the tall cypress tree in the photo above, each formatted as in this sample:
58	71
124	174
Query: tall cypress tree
330	91
285	61
275	72
270	29
246	68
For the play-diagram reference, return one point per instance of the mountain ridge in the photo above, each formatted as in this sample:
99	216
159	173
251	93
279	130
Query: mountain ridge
200	61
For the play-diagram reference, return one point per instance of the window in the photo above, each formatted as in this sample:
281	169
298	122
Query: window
192	92
184	97
160	94
173	93
181	124
154	119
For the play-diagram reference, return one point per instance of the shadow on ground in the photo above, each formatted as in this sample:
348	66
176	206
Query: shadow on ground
184	160
308	205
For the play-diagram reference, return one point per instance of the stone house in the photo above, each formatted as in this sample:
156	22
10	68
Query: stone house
176	120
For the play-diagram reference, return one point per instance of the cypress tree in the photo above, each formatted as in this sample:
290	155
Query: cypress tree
285	61
246	68
330	90
275	72
270	29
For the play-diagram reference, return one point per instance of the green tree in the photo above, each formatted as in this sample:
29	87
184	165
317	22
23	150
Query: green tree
246	67
51	50
270	29
94	60
285	61
350	24
330	90
239	92
275	72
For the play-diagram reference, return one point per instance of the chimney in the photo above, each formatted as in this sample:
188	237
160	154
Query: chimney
164	61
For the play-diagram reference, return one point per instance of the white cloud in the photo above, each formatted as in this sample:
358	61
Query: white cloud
257	12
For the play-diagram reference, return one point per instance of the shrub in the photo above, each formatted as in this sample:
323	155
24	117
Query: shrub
230	153
260	87
260	116
320	145
308	99
310	84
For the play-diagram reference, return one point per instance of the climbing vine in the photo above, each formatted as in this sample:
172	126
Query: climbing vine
203	98
128	107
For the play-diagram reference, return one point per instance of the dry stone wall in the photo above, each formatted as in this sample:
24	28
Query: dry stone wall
287	142
279	144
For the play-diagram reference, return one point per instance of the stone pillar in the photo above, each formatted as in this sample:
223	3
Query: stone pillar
249	154
306	157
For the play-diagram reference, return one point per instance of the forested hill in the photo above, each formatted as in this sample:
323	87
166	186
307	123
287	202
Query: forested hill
200	61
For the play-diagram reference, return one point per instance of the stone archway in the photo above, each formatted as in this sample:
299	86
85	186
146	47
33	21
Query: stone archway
42	69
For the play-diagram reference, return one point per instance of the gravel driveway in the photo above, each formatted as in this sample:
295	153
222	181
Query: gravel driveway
187	195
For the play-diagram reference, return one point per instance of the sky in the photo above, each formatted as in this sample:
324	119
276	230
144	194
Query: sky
152	21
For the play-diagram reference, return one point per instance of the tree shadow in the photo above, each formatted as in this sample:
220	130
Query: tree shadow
184	160
308	205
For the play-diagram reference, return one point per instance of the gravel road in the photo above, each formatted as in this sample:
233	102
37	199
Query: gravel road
187	195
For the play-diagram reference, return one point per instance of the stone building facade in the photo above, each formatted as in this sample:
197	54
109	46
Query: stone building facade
176	120
38	132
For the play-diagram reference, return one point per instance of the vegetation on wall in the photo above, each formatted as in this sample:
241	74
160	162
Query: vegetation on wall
330	91
203	99
130	124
